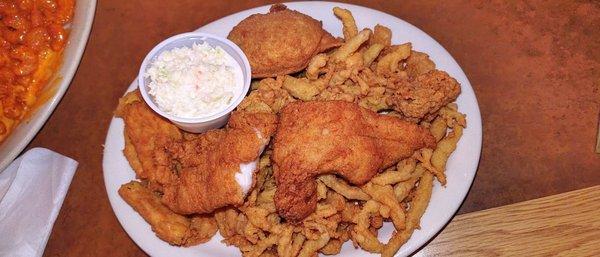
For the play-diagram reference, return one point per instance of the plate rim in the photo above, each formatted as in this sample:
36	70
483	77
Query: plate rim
474	121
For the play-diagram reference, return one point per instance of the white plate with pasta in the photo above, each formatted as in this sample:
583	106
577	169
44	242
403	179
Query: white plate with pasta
445	200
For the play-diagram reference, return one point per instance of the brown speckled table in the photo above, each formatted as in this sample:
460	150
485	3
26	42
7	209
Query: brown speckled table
535	68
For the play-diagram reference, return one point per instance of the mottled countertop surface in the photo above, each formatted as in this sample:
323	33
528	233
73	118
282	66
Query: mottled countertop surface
535	68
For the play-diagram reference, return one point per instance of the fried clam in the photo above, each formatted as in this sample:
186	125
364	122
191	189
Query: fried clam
280	42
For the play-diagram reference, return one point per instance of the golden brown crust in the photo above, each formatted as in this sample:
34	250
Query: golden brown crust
335	137
280	42
168	226
328	42
418	63
208	163
146	135
426	94
131	156
195	173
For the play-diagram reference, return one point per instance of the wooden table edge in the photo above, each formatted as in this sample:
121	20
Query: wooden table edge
566	224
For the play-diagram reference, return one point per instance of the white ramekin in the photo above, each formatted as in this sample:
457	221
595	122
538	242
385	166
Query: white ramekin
217	120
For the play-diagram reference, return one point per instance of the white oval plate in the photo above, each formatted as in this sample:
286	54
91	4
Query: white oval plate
444	203
24	132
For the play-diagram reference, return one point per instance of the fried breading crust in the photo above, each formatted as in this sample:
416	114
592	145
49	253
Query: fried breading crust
146	134
207	164
418	63
169	226
426	94
335	137
281	41
195	173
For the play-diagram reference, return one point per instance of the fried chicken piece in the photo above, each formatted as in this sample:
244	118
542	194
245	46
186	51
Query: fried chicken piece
425	95
281	41
171	227
146	135
335	137
215	169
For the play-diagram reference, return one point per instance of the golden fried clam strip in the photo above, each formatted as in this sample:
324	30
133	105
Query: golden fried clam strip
301	88
389	63
311	247
334	246
351	45
403	173
438	128
371	54
403	189
424	156
445	147
350	30
418	63
341	187
361	232
385	195
435	160
452	117
297	244
315	65
168	226
269	96
284	245
381	35
413	216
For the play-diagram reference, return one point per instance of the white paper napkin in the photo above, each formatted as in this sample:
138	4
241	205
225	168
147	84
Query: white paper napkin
32	190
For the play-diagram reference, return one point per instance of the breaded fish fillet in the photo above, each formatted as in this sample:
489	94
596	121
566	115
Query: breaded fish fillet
196	173
146	135
280	42
209	166
174	228
335	137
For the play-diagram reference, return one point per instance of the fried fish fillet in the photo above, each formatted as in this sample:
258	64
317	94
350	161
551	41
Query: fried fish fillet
171	227
212	167
280	42
146	135
337	137
195	173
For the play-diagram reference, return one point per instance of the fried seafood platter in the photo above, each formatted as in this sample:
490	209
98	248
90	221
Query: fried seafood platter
347	136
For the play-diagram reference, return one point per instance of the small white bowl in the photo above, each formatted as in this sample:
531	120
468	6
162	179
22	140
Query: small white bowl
217	120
